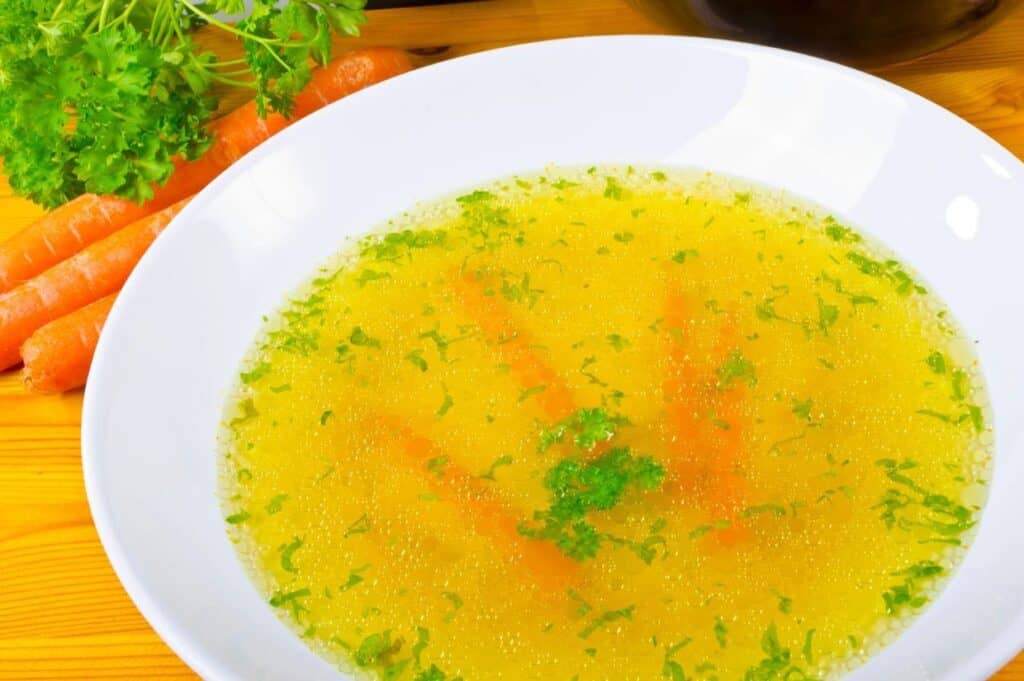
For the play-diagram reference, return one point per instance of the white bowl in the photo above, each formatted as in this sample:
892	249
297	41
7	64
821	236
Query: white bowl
947	198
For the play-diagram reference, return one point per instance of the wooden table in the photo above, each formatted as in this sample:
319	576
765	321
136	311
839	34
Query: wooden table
63	614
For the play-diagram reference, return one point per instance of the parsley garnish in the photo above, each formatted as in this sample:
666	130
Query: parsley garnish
287	551
576	489
721	631
603	620
359	338
908	592
360	526
105	96
456	602
670	669
503	460
275	503
588	427
736	368
355	576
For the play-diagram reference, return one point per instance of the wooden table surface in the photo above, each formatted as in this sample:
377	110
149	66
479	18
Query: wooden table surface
63	614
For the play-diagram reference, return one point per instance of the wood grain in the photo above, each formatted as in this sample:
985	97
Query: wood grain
63	614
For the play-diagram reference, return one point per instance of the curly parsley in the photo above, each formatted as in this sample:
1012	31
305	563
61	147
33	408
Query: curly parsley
101	95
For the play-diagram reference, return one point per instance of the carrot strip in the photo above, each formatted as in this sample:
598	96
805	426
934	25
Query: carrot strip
513	343
705	453
89	218
57	356
98	271
488	514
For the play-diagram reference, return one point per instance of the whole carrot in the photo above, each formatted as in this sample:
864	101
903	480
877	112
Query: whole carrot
57	356
98	271
89	218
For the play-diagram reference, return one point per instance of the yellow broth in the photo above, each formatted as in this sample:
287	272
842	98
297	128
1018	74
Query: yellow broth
606	424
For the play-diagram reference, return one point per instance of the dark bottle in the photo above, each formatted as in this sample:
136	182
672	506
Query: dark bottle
861	32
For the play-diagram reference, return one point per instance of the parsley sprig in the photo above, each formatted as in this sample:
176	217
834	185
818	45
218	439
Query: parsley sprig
101	95
578	488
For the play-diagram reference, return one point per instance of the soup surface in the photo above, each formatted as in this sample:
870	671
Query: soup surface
611	423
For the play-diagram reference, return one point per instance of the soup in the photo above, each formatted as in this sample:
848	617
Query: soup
606	424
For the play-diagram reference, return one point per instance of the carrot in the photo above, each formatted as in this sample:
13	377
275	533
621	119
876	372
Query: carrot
58	355
488	514
98	271
513	343
89	218
705	453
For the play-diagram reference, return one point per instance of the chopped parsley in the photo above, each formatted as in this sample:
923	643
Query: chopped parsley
587	426
360	526
612	189
721	632
503	460
255	374
437	464
908	593
603	620
355	577
359	338
681	256
670	669
576	489
618	343
736	369
416	358
456	602
276	503
287	551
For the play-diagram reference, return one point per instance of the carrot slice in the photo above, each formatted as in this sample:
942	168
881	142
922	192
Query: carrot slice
488	514
513	343
98	271
57	356
89	218
705	423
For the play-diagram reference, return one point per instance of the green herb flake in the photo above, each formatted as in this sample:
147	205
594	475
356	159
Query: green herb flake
531	391
808	642
255	374
736	369
437	465
618	343
359	338
355	577
287	551
478	196
360	526
623	237
456	602
416	359
681	256
237	518
828	315
721	632
602	621
503	460
276	503
612	189
670	668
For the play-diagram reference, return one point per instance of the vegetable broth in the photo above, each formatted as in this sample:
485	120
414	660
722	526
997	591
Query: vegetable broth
611	423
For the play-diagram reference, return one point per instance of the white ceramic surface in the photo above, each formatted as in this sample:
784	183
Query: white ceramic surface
944	196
